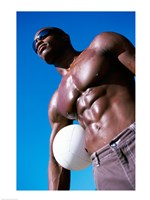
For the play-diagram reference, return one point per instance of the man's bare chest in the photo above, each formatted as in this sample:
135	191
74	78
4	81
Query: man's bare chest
86	73
72	100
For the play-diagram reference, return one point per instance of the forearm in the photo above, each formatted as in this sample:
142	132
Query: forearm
58	177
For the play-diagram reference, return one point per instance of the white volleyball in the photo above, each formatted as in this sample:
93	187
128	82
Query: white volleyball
69	148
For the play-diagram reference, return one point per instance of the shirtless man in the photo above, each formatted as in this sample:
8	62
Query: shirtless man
98	90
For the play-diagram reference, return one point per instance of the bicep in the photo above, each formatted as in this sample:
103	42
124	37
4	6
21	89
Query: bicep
127	58
125	51
120	47
57	121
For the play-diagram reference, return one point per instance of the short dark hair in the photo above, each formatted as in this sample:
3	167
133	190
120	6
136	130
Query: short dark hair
56	30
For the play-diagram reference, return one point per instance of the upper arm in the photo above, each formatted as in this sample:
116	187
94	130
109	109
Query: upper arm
53	113
119	46
59	178
57	121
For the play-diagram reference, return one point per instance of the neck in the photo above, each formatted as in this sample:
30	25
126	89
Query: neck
63	64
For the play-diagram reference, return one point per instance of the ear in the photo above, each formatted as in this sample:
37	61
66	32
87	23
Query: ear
66	37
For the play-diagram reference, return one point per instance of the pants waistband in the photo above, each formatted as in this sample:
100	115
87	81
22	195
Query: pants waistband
118	140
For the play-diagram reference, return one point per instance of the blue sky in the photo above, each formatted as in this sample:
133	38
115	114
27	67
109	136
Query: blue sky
37	81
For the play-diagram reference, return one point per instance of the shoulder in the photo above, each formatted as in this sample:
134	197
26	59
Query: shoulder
110	36
110	41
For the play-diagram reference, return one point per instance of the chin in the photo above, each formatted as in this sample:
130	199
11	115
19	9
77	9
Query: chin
46	57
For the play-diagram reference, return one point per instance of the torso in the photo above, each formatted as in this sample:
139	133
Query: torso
99	93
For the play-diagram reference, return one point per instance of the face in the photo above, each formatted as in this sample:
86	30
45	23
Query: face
47	45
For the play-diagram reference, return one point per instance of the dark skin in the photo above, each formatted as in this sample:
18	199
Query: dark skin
97	89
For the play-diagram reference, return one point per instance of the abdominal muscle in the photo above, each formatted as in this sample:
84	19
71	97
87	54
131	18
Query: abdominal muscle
103	112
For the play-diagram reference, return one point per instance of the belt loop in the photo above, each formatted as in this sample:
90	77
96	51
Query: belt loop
132	126
97	159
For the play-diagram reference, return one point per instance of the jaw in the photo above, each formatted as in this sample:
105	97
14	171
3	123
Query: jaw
47	55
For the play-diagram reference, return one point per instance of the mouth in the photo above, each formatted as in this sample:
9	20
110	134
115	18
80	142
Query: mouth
41	48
